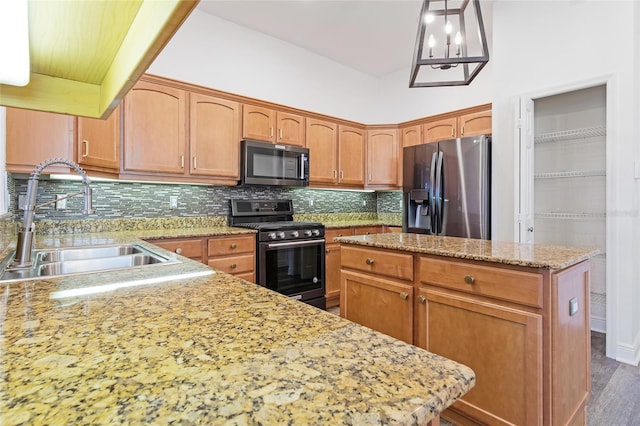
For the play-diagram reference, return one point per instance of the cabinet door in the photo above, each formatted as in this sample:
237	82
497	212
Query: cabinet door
291	129
322	141
332	273
439	130
214	136
478	123
258	123
34	136
350	155
382	157
381	304
412	135
98	142
155	129
501	344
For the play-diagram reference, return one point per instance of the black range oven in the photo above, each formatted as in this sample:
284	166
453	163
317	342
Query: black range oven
290	255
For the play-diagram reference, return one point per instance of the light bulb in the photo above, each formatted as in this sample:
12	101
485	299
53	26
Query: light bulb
458	38
429	18
448	27
432	41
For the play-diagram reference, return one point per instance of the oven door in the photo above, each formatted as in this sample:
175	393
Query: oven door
293	268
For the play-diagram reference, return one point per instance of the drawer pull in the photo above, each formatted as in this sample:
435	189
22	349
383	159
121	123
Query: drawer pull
234	245
327	251
469	279
421	299
179	250
233	266
369	261
404	295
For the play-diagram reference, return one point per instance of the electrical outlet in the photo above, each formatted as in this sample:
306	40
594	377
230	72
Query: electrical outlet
310	203
173	201
364	203
61	204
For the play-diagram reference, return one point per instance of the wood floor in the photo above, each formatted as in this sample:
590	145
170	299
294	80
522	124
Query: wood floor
615	388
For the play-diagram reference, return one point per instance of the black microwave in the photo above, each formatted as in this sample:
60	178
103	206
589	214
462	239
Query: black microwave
265	163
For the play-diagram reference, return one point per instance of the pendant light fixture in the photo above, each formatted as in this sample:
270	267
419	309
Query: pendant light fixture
456	45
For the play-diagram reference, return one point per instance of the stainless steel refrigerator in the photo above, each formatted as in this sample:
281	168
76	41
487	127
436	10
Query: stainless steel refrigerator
447	188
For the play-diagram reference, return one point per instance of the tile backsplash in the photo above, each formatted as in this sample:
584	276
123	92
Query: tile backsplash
113	200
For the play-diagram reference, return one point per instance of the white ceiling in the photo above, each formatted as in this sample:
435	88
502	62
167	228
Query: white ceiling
375	37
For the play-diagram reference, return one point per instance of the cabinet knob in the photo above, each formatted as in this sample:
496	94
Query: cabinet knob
469	279
234	245
421	299
404	295
369	261
233	266
179	250
327	251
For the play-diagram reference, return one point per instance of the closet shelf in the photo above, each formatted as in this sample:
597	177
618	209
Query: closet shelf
570	174
565	135
569	216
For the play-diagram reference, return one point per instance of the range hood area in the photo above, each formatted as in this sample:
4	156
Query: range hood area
85	69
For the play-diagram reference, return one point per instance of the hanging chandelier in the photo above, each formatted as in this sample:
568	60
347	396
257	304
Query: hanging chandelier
456	44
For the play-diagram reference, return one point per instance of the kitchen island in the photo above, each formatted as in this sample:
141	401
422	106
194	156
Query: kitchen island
177	344
517	314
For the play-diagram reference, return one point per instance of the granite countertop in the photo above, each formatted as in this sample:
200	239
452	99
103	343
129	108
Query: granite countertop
116	348
530	255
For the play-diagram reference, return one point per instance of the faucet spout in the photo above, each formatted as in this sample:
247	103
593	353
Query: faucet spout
24	246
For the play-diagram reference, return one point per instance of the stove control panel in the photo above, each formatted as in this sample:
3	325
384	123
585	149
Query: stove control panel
296	234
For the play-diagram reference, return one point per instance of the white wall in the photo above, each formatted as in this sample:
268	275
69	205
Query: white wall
542	47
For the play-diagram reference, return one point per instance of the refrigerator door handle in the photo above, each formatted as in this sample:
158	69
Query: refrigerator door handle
432	192
439	193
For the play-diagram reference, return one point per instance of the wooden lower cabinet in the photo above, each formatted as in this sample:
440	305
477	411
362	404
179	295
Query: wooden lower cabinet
332	264
233	254
389	303
512	325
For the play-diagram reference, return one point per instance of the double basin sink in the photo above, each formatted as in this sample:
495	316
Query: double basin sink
81	260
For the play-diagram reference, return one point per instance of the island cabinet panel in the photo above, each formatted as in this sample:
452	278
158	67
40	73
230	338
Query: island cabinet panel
214	136
233	254
155	129
506	284
501	344
322	141
98	143
389	303
378	262
34	136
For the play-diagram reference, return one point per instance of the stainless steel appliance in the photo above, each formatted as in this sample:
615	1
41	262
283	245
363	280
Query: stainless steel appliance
290	255
274	164
447	188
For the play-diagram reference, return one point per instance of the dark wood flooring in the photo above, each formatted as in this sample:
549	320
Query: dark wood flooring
615	388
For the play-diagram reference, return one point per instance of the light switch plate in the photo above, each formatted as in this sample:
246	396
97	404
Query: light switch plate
61	204
173	201
573	306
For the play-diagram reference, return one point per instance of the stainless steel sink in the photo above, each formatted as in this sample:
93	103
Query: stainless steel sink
81	260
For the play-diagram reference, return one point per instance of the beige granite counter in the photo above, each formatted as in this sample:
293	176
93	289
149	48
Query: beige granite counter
118	348
530	255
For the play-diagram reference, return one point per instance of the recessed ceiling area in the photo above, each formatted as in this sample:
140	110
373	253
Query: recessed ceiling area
373	37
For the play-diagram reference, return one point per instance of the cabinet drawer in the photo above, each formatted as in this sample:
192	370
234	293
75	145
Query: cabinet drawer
366	230
506	284
188	248
330	234
226	246
233	264
391	264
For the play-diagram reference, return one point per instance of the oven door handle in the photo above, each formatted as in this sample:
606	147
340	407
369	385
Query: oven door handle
296	243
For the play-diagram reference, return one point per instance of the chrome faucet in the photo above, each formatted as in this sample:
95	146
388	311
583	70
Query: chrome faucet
24	246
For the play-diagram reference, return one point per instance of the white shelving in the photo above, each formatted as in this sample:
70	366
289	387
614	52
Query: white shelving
569	216
566	135
570	174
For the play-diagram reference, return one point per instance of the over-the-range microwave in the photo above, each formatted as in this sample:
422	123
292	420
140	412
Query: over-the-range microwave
265	163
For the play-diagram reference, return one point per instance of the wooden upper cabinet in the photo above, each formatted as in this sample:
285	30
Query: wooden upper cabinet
34	136
351	151
439	130
155	129
382	157
98	142
214	136
322	141
290	129
412	135
477	123
258	123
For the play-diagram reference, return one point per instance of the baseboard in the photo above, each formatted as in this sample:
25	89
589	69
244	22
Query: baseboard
598	324
629	354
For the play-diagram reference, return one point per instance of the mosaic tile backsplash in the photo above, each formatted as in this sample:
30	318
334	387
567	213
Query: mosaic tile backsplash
118	200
